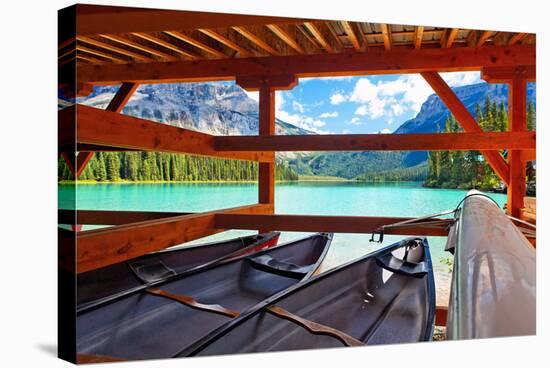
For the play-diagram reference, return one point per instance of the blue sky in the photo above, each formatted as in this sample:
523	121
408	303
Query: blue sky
369	104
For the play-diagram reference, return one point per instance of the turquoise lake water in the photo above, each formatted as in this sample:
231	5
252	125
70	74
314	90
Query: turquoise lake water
320	198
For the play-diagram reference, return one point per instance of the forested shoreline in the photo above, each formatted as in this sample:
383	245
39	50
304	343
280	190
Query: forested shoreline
170	167
468	169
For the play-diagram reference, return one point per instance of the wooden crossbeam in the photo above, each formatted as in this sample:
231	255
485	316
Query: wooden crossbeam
106	128
481	141
193	42
286	37
102	247
165	44
256	40
226	41
386	35
398	61
118	50
316	32
507	74
138	46
103	217
466	120
314	223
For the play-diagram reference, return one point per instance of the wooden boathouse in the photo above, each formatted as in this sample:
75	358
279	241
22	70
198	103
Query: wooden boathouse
102	45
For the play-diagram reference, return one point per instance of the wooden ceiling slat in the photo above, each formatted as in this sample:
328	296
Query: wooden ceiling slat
190	40
255	39
418	35
329	26
90	59
448	37
226	41
286	37
110	47
316	32
351	35
168	45
386	35
139	46
100	53
516	38
483	37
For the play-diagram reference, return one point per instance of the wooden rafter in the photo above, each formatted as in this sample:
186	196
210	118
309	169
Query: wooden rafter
226	41
418	35
138	46
316	32
312	223
256	40
330	28
165	44
285	36
103	247
379	142
484	36
107	128
516	38
466	120
374	62
99	53
386	35
118	50
449	37
190	40
351	35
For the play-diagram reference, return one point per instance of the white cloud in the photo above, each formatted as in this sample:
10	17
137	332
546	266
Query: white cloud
355	121
457	79
362	110
337	98
298	106
346	131
298	119
327	79
384	131
333	114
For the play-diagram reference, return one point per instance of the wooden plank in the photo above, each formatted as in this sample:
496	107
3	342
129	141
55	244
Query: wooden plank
466	120
400	61
138	46
351	35
517	122
102	247
380	142
186	54
118	50
190	40
386	35
226	41
316	32
516	38
122	96
256	40
94	19
106	128
286	37
266	171
484	36
418	34
315	223
102	217
449	38
102	54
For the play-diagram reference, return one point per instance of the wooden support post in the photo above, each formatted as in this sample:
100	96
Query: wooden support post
466	120
517	122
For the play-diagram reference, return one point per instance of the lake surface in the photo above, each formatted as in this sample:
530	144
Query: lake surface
320	198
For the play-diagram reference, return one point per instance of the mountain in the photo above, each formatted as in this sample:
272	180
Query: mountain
218	109
430	119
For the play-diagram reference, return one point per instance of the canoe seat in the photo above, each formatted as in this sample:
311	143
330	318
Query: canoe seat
394	264
269	264
149	271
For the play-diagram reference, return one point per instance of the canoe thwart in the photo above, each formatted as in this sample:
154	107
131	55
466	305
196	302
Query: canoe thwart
269	264
193	303
314	327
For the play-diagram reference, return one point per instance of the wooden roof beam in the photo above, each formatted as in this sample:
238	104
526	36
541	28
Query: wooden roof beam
100	53
316	32
484	36
226	41
448	37
386	35
396	61
418	34
115	49
256	40
165	44
516	38
285	36
352	36
466	120
507	74
193	42
138	46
